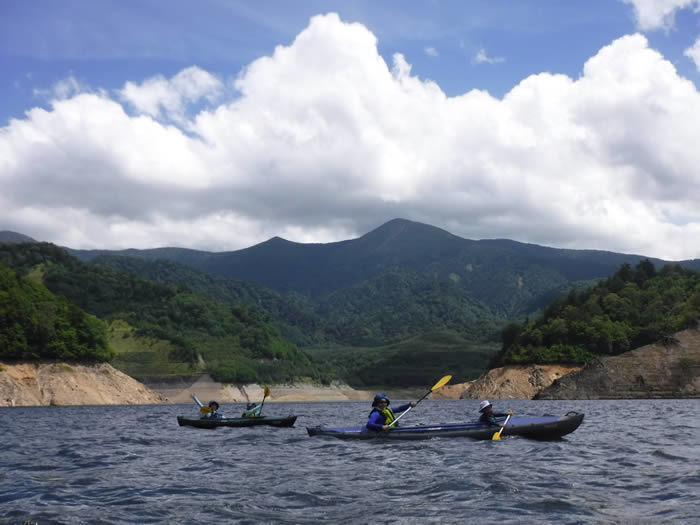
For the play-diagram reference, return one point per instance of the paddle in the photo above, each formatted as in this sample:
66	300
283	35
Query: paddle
203	409
437	385
266	393
497	435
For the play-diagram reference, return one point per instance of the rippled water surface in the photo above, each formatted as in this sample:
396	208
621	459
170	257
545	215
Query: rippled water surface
630	462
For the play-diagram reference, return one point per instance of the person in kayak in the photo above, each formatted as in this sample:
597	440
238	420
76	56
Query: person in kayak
213	411
252	410
488	416
381	416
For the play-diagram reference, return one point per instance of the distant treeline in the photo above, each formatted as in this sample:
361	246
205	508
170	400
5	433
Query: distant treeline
632	308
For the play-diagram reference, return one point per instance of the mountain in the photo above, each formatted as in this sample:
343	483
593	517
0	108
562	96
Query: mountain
510	278
8	236
403	297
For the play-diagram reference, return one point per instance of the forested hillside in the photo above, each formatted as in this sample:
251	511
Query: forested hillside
400	304
293	315
634	307
236	343
396	305
397	327
36	324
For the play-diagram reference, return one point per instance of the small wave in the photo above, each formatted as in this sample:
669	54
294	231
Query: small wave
665	455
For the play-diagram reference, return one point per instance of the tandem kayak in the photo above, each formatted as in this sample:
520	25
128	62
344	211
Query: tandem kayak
542	428
236	421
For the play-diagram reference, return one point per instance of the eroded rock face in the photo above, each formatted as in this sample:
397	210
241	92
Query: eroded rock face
670	369
41	384
515	381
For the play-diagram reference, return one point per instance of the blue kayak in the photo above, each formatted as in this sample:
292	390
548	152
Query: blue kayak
542	428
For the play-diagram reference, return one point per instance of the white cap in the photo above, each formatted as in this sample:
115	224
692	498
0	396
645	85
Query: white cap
484	404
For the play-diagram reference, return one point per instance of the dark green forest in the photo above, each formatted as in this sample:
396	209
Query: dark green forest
36	324
393	327
632	308
237	342
291	313
396	305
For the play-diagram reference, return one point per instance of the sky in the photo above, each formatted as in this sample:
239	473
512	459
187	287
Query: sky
219	124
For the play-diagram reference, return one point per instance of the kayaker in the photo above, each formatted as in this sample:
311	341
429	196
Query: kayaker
213	411
381	416
252	410
487	414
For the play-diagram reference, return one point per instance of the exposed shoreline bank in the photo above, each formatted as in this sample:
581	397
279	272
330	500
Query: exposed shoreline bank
47	384
669	369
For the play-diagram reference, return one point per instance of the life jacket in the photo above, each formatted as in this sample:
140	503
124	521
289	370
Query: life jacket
388	415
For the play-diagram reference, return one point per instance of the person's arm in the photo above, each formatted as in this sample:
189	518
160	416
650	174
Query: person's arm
375	421
402	408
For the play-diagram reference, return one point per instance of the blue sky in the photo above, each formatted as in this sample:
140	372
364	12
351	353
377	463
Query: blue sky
105	43
217	124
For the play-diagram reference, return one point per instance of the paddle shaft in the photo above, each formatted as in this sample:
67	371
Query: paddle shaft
194	398
409	408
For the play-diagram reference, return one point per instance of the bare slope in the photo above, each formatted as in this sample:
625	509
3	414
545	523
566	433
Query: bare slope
669	369
37	384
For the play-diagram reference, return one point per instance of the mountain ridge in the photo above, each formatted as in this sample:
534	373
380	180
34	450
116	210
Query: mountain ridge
513	278
14	237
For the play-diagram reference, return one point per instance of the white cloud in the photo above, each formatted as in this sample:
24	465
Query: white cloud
693	53
325	140
659	14
159	97
431	51
482	58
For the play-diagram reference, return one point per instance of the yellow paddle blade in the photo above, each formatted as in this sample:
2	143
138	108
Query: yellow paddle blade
205	410
267	390
497	435
441	383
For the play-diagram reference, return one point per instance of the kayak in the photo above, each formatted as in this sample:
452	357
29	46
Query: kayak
542	428
236	421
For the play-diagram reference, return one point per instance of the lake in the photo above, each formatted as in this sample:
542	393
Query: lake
629	462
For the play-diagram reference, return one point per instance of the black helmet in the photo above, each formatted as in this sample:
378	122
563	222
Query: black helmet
378	397
214	403
250	405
